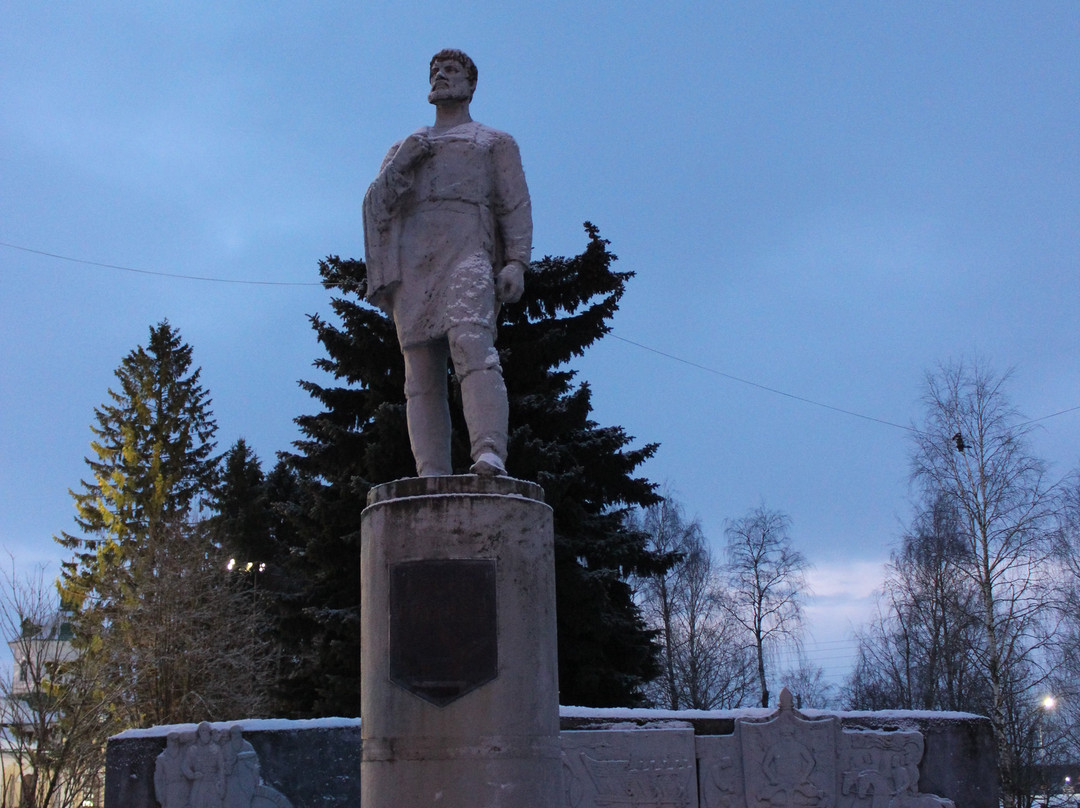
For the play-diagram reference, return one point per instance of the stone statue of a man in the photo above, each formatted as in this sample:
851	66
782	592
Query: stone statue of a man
447	237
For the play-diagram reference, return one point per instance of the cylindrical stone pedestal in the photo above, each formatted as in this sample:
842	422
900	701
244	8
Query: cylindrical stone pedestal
460	676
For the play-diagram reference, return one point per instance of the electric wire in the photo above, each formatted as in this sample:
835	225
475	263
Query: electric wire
1051	415
803	399
728	376
657	351
157	272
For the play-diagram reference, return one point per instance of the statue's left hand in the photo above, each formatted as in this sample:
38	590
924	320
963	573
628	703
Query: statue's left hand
510	282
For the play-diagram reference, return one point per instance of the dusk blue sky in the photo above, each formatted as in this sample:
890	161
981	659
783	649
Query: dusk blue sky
826	199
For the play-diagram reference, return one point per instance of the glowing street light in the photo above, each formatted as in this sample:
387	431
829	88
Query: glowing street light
1048	703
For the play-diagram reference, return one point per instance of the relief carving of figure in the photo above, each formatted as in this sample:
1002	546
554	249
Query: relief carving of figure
719	789
215	769
204	767
170	784
241	770
447	239
788	765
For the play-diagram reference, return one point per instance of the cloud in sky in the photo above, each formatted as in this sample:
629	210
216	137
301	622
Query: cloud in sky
853	580
844	597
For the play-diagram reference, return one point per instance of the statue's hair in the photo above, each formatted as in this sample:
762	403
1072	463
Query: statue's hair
461	58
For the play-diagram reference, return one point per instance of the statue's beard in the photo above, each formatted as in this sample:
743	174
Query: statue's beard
440	94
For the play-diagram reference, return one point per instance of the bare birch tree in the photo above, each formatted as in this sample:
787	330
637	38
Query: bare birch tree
766	584
808	685
710	660
703	664
1064	715
53	702
973	450
916	653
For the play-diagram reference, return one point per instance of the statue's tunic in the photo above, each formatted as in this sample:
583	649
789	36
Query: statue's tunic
435	237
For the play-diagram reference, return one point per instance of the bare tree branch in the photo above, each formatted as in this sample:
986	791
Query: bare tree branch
53	701
767	584
704	664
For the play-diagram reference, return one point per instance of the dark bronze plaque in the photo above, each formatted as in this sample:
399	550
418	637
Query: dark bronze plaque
443	630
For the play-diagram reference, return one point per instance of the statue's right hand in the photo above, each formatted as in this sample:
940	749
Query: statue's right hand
412	150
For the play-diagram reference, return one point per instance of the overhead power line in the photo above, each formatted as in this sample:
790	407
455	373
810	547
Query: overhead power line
803	399
156	272
644	347
728	376
1051	415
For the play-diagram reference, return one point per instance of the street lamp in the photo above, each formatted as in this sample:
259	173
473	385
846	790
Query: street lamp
1048	704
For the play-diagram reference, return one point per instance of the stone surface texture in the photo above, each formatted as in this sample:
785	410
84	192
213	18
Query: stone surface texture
950	755
447	238
446	728
789	759
652	765
877	759
301	763
213	769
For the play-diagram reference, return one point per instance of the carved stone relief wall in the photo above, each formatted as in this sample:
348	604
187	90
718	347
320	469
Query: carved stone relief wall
614	759
619	769
212	769
785	760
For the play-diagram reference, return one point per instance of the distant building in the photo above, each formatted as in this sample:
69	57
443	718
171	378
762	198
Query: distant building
27	706
37	652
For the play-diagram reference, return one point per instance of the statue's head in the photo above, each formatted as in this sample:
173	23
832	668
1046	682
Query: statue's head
204	733
452	75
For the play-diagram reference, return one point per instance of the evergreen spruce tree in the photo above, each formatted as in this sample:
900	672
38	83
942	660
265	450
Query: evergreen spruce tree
242	521
146	581
152	458
255	521
360	439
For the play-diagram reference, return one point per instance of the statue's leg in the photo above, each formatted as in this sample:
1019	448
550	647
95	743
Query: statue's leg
426	407
483	395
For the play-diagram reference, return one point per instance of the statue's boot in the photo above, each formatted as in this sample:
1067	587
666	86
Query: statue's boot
483	395
483	398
